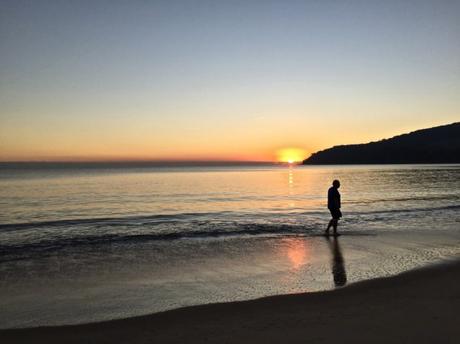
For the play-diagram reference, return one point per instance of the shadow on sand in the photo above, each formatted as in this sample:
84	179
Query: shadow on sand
337	262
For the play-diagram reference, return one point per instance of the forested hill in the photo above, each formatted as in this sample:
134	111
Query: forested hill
434	145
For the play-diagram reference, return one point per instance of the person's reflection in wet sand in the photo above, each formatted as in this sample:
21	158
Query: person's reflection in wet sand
337	262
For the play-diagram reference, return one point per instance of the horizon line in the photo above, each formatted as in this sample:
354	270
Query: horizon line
143	161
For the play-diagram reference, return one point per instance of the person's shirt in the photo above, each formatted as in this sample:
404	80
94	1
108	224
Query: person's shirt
333	198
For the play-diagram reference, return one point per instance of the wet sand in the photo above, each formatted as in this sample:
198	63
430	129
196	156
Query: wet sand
419	306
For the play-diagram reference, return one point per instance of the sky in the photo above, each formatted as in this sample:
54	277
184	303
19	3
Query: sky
221	80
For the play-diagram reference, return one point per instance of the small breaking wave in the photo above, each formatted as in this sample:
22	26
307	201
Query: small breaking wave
212	230
111	221
186	217
21	240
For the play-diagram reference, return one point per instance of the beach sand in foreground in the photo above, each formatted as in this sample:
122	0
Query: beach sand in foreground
420	306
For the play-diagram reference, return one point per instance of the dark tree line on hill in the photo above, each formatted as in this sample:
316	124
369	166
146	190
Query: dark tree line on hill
434	145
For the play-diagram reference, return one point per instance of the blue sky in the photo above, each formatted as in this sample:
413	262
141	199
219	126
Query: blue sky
220	79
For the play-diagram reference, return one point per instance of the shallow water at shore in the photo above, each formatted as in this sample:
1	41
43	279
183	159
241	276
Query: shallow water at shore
122	281
91	245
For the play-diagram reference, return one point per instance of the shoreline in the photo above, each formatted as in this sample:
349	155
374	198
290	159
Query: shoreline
417	306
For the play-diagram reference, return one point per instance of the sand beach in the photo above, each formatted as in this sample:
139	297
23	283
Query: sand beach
419	306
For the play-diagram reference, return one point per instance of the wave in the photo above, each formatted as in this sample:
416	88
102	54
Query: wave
73	233
410	210
113	221
206	216
19	251
454	197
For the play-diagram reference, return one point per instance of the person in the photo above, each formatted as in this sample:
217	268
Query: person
333	204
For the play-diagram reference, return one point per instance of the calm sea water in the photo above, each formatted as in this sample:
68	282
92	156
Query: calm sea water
109	241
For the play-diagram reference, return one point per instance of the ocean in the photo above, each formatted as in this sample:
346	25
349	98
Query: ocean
90	242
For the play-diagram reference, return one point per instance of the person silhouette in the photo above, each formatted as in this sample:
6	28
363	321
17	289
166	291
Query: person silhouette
333	204
337	263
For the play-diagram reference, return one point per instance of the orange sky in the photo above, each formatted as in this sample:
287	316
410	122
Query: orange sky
272	142
162	81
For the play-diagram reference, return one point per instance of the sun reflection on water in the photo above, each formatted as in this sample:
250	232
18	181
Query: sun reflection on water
298	253
290	181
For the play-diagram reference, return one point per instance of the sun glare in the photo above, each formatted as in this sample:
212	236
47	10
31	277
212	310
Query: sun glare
291	155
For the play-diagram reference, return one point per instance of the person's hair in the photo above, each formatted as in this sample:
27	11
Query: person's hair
336	183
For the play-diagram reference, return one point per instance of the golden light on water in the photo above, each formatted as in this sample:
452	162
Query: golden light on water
298	253
291	155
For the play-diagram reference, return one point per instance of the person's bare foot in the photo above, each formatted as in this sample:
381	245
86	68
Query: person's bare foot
336	234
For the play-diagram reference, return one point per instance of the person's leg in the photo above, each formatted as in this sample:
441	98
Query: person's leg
334	225
331	223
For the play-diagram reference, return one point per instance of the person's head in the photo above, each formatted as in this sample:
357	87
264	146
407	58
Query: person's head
336	184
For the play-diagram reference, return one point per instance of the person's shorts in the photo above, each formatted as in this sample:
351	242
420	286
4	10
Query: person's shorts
336	213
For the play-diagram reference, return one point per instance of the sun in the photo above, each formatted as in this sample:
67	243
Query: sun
291	155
